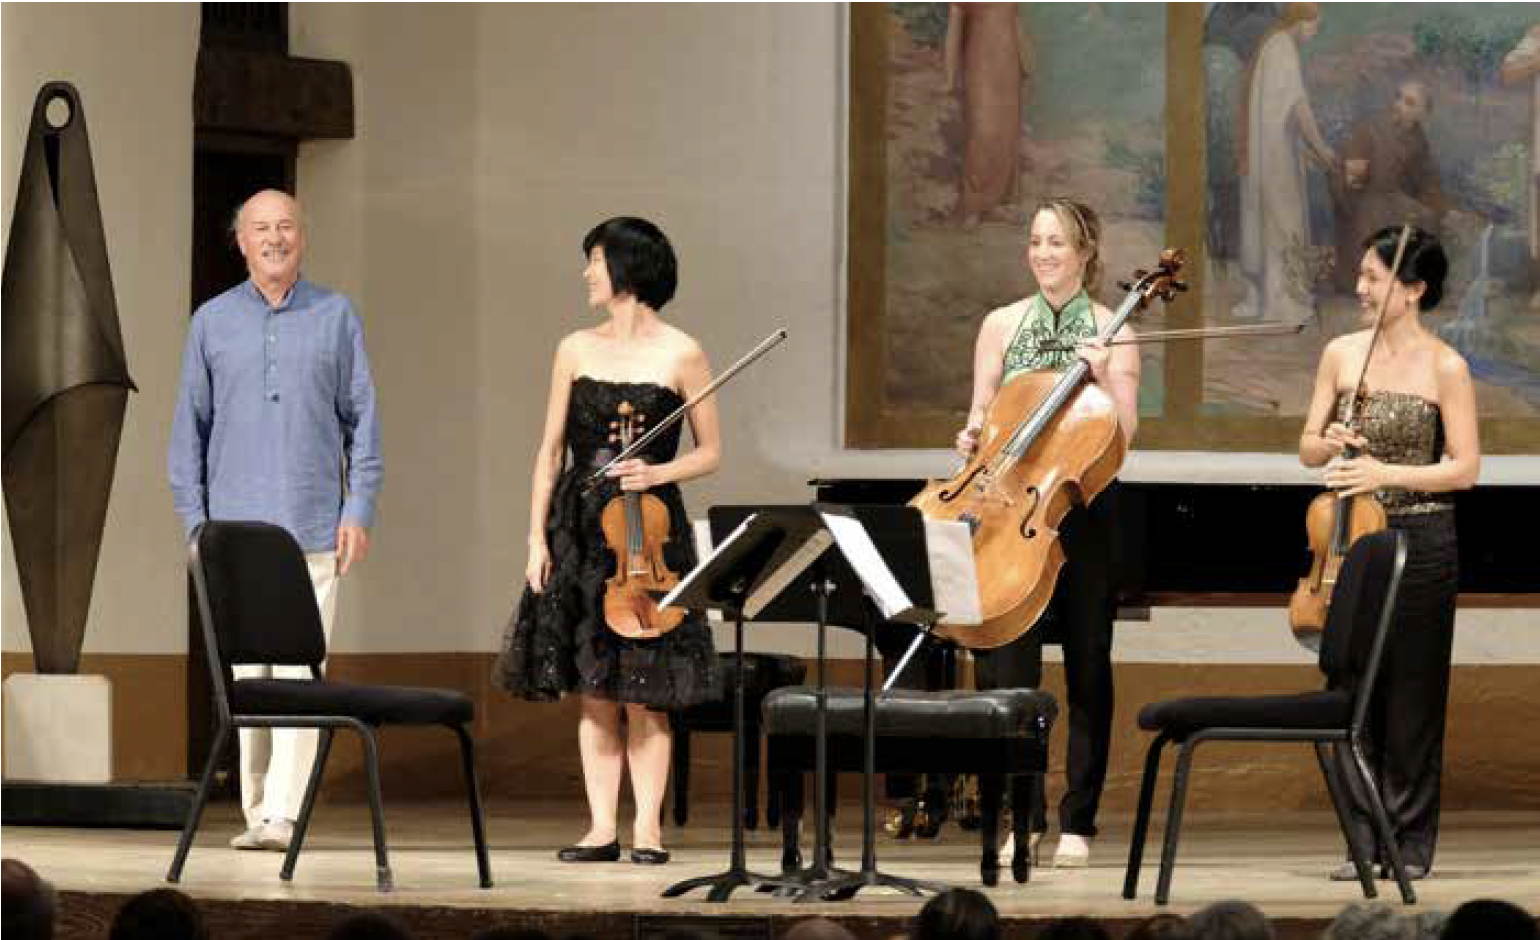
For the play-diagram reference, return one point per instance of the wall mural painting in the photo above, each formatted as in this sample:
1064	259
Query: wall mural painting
1266	139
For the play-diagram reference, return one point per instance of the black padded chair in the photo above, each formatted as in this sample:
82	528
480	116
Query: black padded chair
1000	735
1363	603
258	607
762	674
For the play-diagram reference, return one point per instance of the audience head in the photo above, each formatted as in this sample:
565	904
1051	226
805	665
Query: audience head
1074	928
817	928
1230	920
513	933
957	914
28	902
161	914
1487	919
1161	927
368	925
1365	921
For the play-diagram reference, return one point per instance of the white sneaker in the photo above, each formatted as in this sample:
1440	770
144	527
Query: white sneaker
250	840
1073	852
1008	850
276	835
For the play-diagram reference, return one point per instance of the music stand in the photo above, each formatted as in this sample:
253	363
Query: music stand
737	579
845	584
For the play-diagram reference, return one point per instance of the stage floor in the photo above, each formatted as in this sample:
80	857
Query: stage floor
1277	861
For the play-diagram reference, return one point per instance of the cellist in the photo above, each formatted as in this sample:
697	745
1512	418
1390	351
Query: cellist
1417	438
1063	257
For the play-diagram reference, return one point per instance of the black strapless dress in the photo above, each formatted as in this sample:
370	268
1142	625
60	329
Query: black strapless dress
557	641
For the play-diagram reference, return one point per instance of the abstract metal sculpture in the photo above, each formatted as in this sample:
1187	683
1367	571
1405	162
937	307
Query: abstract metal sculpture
66	380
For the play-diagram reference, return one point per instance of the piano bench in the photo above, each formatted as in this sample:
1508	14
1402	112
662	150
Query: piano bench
762	673
1000	735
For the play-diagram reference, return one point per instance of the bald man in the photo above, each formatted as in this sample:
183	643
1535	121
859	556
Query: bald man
276	408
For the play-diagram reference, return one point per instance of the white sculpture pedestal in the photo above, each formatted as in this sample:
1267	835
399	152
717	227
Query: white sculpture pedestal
58	729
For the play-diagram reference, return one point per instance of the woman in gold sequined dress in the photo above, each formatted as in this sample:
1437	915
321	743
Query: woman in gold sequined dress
1417	435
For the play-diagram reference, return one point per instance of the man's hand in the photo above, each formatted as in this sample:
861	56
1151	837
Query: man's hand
352	545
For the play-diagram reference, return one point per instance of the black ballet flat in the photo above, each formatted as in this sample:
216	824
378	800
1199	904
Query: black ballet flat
591	853
649	856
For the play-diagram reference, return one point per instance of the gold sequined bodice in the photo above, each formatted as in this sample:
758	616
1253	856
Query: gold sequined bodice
1407	429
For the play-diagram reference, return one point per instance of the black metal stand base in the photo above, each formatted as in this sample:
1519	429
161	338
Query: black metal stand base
723	885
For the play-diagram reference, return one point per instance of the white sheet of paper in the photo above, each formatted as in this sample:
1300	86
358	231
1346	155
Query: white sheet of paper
953	579
702	528
857	547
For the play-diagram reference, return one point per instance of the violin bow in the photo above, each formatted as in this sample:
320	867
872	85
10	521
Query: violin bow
769	343
1379	320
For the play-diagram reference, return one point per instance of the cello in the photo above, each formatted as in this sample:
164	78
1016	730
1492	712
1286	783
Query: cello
1334	523
1049	442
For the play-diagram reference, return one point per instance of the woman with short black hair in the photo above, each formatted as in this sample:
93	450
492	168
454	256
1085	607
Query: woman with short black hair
558	641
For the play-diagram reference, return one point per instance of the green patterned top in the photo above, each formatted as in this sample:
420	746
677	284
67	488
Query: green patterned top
1040	326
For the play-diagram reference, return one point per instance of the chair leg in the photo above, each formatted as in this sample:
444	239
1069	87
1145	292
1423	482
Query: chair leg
1142	817
1174	821
773	787
302	824
190	828
681	763
1325	756
1022	800
1382	825
752	742
382	877
792	800
991	787
473	794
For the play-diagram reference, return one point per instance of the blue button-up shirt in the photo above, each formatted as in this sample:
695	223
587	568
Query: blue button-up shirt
276	407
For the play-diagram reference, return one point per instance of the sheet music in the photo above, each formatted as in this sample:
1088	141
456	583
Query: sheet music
770	588
703	550
685	581
953	578
857	547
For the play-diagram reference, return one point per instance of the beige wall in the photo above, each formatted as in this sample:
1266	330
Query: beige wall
137	96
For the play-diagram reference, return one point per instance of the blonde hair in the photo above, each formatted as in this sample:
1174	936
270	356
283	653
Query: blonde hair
1085	231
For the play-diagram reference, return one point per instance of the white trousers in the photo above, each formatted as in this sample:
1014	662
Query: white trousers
275	764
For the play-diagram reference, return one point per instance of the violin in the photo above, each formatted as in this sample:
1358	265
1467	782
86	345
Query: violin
636	526
1334	523
1049	442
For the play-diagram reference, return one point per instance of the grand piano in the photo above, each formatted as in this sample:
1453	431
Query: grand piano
1206	544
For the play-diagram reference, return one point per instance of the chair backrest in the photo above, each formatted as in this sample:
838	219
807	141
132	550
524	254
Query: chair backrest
1362	605
255	595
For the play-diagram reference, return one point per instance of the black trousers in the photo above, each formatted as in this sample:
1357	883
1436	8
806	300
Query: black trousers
1404	729
1081	617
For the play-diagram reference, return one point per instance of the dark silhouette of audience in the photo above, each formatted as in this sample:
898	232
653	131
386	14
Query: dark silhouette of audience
1230	920
1161	927
957	914
1487	919
1074	928
368	925
159	914
29	905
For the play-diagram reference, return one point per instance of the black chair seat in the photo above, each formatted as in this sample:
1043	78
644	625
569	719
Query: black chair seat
762	673
1306	710
914	713
371	704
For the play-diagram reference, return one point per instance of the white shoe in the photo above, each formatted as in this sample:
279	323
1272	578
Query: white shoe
276	835
1008	850
250	840
1073	852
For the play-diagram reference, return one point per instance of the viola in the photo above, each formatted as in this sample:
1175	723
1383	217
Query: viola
1334	523
636	526
1049	442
